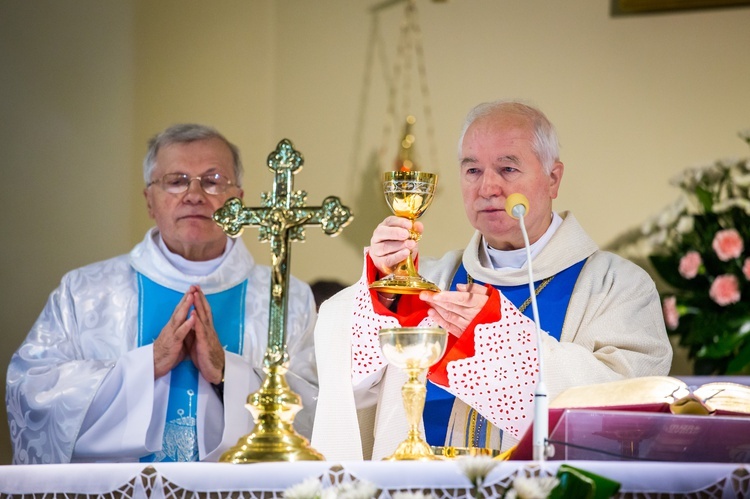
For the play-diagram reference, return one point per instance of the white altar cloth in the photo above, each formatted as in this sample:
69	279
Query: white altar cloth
269	480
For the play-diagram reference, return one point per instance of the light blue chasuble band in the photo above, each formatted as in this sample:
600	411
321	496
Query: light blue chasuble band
553	301
156	304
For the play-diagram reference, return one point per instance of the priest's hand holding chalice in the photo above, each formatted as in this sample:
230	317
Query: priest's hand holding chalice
409	194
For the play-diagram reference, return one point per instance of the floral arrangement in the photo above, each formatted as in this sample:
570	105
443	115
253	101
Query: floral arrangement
569	482
313	489
700	247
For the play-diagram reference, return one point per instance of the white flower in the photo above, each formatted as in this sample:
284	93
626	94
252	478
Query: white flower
648	226
728	204
309	489
532	488
666	218
742	180
360	489
685	224
412	495
657	238
728	162
312	489
476	468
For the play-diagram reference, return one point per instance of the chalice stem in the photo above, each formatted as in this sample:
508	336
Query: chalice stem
414	394
407	268
411	270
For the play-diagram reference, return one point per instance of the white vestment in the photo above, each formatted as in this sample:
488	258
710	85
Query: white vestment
79	389
613	329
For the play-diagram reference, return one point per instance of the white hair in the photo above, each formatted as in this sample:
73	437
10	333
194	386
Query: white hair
545	144
185	133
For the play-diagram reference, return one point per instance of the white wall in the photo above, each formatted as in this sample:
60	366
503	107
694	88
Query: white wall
66	121
85	83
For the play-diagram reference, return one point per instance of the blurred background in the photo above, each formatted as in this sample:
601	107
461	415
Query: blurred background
636	98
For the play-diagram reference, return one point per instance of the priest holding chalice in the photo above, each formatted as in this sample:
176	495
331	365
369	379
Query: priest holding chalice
600	315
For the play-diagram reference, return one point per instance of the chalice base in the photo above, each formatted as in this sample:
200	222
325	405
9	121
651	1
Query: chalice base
413	450
404	285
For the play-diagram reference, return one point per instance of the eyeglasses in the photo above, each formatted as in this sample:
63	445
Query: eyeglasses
177	183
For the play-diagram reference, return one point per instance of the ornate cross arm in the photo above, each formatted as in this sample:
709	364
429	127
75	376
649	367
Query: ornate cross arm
331	215
233	217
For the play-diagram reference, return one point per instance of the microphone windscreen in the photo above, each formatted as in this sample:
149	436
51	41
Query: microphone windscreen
516	202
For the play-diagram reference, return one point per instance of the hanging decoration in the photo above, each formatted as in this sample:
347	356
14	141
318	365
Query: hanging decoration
401	112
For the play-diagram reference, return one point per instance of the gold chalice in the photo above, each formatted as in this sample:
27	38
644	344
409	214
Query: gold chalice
413	349
409	194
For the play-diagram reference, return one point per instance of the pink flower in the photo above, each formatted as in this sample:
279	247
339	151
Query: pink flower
727	244
689	264
725	290
671	315
746	269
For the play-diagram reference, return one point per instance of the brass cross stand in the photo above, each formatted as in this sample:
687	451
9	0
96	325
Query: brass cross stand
281	220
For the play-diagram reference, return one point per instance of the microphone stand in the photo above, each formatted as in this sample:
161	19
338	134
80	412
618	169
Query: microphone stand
541	403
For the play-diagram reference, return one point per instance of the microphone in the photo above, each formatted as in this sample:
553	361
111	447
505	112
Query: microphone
517	206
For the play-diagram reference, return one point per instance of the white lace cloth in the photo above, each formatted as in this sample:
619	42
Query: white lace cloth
269	480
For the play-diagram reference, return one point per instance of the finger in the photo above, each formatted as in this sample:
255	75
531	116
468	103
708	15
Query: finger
169	348
460	318
184	329
384	234
447	298
180	313
203	308
395	221
452	328
455	299
386	257
473	288
207	353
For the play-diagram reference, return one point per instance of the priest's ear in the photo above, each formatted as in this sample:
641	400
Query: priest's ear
555	177
149	203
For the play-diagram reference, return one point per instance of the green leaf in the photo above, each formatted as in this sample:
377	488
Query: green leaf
740	364
667	267
705	198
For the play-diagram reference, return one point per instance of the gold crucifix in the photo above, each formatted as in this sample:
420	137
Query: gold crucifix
282	219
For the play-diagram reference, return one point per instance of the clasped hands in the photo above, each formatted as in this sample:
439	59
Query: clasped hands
190	334
391	244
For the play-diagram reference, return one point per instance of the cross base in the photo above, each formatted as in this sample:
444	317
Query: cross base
273	439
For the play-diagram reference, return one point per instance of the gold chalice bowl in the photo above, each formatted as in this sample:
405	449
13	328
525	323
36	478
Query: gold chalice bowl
413	349
409	194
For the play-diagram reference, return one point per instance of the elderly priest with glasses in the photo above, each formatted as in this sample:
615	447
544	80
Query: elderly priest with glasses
150	356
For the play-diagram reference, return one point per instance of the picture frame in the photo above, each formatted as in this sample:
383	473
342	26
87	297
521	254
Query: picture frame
633	7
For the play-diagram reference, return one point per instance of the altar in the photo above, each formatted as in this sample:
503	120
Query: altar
443	479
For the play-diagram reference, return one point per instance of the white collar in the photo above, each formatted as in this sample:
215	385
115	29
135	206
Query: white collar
229	270
516	259
191	267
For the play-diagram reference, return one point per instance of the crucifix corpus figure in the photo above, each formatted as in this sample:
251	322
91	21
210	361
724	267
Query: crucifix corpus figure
281	219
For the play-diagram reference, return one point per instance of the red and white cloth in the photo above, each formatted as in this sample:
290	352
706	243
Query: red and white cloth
492	367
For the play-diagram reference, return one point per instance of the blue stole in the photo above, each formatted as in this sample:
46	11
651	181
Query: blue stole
553	300
155	307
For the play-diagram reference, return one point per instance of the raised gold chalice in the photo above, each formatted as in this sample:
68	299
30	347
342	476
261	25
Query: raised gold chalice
408	194
413	349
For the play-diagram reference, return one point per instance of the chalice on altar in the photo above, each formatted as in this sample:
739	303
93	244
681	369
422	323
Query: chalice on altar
408	194
413	349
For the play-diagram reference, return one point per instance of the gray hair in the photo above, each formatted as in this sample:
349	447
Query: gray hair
545	145
184	133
